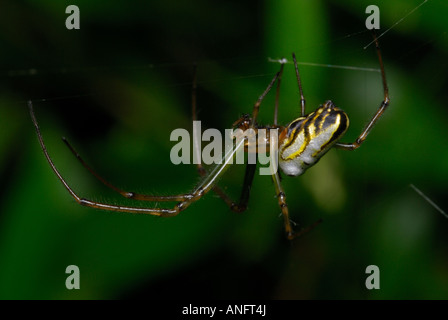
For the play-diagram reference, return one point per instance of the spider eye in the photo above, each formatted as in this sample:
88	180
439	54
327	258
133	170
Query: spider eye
309	138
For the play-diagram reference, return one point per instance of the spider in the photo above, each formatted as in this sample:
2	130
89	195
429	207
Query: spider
301	144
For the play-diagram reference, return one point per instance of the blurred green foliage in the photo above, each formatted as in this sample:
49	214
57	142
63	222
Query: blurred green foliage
116	89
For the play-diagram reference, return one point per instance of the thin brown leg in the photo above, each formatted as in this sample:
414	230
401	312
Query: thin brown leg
260	99
126	194
134	195
205	186
383	106
299	83
281	197
277	94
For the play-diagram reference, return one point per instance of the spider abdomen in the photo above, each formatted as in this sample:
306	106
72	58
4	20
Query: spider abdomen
305	140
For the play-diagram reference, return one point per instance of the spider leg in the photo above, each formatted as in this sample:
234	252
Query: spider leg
245	191
134	195
260	99
126	194
283	206
290	234
383	106
299	83
277	94
204	186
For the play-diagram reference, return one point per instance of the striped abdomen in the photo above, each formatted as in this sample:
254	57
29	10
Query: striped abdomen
306	139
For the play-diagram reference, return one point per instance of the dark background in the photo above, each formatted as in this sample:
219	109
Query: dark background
116	89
